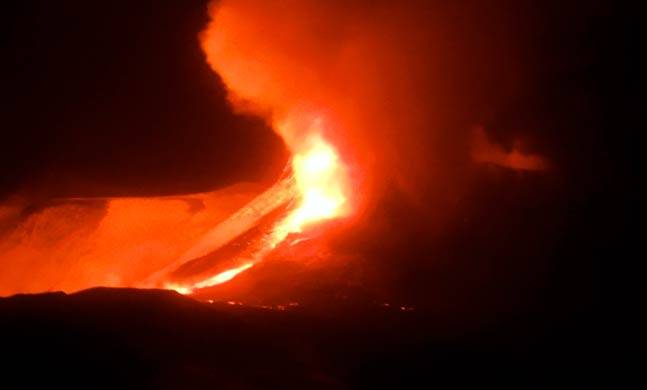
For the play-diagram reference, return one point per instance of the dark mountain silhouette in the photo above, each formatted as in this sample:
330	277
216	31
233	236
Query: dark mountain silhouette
160	339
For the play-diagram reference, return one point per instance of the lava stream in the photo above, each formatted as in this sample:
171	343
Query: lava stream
316	190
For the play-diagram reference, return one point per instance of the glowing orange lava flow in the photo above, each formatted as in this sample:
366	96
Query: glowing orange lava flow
320	186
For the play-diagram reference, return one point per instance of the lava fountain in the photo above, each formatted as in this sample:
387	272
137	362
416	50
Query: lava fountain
315	190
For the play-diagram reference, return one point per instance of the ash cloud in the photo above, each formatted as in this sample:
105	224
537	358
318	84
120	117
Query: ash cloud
401	82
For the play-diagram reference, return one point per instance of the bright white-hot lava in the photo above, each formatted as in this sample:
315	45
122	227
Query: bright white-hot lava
321	182
223	276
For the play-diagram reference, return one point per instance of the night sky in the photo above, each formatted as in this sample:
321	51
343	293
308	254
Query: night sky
116	99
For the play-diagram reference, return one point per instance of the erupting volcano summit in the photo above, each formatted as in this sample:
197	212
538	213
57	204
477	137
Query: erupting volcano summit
316	186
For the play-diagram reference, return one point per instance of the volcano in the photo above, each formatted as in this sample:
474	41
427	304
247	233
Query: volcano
314	194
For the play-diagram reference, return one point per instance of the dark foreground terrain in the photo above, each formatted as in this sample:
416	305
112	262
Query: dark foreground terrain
159	339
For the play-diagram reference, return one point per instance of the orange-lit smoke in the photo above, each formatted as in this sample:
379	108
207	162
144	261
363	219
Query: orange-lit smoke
355	66
274	64
486	152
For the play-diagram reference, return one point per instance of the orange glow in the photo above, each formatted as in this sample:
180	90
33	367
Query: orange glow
117	242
